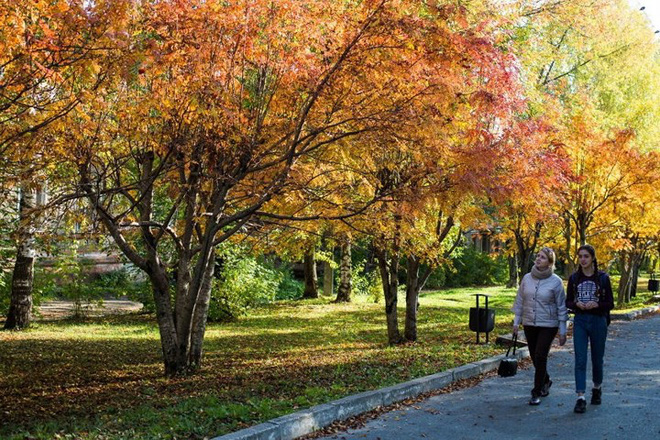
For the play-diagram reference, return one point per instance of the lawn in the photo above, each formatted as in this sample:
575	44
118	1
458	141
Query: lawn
102	378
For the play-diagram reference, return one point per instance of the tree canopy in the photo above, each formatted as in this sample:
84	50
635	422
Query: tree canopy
185	125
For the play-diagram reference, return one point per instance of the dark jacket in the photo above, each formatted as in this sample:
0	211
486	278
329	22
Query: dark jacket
594	288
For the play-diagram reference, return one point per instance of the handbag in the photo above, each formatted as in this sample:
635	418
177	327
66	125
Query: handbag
509	365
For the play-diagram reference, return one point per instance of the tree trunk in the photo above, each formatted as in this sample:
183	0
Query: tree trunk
524	261
200	316
624	282
633	282
182	329
412	298
389	265
311	278
166	322
414	284
181	325
629	262
328	279
513	271
20	306
345	287
636	261
568	268
582	230
525	245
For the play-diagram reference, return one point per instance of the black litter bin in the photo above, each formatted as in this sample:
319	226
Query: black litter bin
482	319
653	284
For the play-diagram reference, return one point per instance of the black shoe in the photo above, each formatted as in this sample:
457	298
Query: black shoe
596	393
545	391
535	400
580	406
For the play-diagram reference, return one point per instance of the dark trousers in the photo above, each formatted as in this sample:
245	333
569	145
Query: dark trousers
539	340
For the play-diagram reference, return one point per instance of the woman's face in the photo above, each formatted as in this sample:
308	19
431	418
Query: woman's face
585	259
542	262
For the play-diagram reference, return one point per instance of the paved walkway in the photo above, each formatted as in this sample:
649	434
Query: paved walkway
497	408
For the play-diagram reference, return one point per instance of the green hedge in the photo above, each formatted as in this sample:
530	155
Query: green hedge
470	268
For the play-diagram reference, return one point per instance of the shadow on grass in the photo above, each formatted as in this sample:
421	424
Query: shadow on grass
283	357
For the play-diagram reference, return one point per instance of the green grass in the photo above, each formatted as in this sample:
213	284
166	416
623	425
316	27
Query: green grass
102	378
643	299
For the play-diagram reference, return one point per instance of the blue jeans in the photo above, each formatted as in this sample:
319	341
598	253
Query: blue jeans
589	328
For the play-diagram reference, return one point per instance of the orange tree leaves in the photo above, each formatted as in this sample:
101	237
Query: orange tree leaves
50	53
226	113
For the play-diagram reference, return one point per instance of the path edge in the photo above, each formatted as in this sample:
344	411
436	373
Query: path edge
306	421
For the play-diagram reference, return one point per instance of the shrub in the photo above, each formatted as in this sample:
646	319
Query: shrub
475	268
437	279
240	283
5	292
66	279
128	281
289	287
366	282
243	283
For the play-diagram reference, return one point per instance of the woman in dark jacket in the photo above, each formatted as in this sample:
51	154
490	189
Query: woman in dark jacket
590	297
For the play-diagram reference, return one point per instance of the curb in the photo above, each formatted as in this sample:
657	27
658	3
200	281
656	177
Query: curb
312	419
634	314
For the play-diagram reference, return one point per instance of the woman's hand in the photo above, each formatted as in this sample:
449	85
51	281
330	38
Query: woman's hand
591	305
580	305
514	330
562	340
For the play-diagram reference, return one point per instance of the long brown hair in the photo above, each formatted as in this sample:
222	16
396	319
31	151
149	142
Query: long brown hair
589	248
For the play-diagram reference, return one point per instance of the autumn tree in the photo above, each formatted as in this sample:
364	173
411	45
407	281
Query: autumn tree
50	54
591	70
636	230
219	109
536	182
447	157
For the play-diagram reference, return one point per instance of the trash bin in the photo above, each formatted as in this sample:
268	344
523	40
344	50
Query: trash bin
653	284
482	320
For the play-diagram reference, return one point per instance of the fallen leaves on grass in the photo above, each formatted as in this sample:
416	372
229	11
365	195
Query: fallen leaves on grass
105	374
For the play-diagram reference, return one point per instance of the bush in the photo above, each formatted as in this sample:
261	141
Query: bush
69	278
5	293
437	279
128	281
366	283
143	293
470	268
475	268
242	284
66	279
289	287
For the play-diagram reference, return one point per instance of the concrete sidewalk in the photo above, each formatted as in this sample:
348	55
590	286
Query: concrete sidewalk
497	407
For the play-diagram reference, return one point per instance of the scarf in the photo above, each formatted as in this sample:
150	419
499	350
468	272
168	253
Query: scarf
541	274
